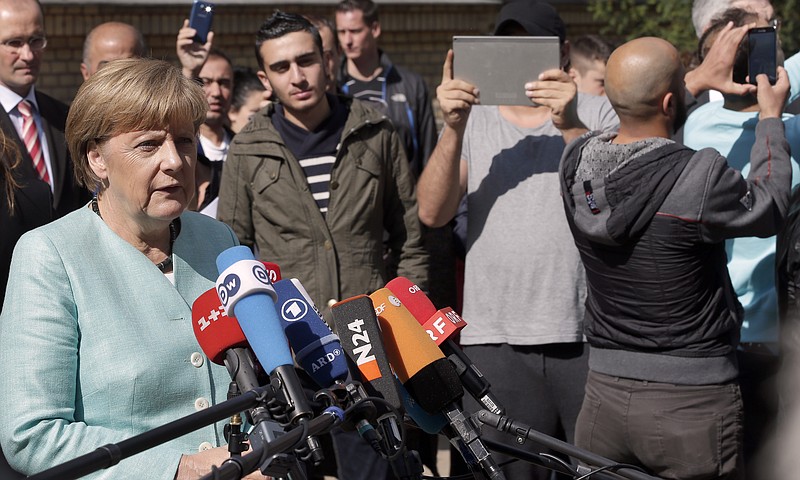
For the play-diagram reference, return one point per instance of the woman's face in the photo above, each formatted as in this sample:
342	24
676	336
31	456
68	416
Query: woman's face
148	175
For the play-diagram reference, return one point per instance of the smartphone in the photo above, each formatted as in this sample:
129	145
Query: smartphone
200	20
762	53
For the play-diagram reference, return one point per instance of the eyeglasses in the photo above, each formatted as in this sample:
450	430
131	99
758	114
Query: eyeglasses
34	43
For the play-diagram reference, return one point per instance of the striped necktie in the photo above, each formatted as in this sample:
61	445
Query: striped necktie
30	135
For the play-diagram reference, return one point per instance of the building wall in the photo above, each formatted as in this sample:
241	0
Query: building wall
414	35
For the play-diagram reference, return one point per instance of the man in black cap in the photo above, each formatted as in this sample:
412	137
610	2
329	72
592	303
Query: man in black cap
524	283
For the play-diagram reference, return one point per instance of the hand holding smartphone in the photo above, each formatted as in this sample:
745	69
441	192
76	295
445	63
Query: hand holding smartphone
762	53
200	19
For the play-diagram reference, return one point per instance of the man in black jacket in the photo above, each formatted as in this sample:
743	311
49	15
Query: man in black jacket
650	218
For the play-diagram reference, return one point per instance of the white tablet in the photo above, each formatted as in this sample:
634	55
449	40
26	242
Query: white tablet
501	66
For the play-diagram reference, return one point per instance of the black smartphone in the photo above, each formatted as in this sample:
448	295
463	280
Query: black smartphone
762	53
200	19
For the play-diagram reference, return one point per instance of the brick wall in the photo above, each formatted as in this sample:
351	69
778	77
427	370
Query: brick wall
415	35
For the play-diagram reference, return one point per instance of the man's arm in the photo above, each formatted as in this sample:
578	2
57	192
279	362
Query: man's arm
191	54
444	179
756	205
235	198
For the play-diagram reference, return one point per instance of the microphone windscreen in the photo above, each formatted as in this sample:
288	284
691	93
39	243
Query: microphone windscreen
413	298
316	348
274	271
431	423
429	377
360	335
215	331
244	287
440	325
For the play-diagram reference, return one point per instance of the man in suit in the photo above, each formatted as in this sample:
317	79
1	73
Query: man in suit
22	44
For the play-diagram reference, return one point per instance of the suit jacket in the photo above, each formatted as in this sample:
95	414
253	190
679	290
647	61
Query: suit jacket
96	345
32	208
67	195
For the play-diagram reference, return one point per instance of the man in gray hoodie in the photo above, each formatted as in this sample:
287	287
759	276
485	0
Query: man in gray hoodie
650	217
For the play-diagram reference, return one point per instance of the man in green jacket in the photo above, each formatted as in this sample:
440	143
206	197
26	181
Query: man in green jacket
315	180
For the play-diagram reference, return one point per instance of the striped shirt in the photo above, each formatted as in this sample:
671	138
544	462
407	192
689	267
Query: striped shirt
315	150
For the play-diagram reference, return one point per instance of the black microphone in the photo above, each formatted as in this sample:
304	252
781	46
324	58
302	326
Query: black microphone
357	325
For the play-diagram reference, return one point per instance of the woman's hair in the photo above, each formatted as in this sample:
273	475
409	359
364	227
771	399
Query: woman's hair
127	96
10	157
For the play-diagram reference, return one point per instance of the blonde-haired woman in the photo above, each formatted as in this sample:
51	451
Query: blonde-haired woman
96	342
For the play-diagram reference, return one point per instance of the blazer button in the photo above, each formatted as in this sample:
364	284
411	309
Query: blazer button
328	245
201	404
197	359
334	185
273	175
204	446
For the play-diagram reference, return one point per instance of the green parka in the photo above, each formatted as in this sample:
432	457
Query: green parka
265	198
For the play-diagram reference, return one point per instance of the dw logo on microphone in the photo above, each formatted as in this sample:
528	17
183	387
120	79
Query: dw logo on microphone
228	288
261	274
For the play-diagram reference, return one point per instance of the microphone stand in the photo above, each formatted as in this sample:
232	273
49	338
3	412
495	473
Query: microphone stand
235	468
523	432
111	454
540	460
406	464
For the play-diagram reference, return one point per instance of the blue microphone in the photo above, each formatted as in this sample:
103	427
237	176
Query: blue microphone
246	293
245	290
316	348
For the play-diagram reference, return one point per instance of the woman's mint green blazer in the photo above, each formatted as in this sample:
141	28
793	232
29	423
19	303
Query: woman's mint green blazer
96	345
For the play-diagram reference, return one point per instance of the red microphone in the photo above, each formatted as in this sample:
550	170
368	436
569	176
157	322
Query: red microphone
215	331
273	270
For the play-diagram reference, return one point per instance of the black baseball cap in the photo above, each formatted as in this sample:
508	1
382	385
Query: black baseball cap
539	19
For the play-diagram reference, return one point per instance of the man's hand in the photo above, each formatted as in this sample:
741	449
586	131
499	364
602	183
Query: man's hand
716	71
556	90
191	54
772	98
456	97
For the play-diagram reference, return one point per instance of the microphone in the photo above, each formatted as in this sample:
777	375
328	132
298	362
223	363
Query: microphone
246	293
429	377
417	361
360	336
273	271
319	352
245	290
355	320
223	342
441	325
316	348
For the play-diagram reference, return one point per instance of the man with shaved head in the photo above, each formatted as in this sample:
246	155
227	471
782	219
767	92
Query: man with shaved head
110	41
650	218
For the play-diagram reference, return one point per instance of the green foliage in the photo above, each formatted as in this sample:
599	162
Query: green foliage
671	20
